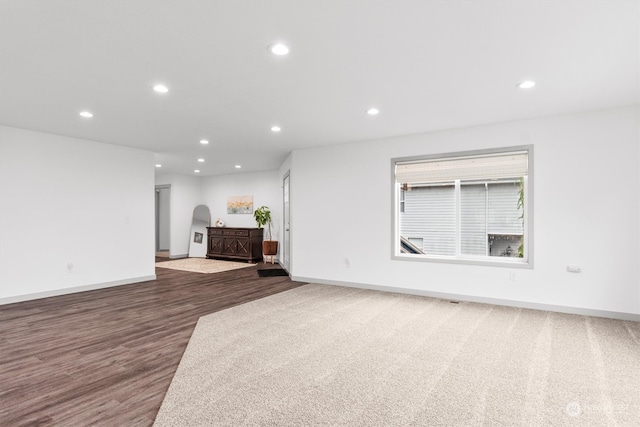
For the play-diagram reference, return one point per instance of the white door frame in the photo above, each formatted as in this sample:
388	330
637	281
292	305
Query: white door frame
286	219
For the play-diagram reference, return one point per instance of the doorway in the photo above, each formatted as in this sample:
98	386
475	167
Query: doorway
286	235
163	219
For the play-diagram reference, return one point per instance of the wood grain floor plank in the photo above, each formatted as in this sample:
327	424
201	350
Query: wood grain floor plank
107	357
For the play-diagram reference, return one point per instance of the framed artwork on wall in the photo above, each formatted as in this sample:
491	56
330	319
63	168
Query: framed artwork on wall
240	204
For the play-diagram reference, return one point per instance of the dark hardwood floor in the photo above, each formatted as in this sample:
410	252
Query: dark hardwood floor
107	357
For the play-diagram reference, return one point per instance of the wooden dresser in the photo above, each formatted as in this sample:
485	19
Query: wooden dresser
243	244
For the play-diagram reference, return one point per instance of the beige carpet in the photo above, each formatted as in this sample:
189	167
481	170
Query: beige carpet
327	355
202	265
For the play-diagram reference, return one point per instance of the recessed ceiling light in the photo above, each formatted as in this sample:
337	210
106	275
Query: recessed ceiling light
158	165
373	111
86	114
196	170
160	88
527	84
275	129
238	166
204	142
279	49
201	160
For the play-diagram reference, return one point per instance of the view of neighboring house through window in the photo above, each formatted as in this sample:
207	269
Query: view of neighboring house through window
465	206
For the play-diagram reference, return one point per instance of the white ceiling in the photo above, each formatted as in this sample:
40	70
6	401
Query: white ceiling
426	65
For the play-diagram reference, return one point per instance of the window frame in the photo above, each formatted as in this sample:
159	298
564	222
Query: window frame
527	262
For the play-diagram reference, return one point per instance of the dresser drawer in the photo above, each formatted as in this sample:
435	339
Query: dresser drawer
232	232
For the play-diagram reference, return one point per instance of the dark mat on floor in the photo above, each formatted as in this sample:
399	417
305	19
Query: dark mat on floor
269	272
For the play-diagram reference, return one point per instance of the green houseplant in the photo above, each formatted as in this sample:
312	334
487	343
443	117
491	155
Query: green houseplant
262	215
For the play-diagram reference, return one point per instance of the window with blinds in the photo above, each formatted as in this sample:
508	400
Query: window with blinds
466	206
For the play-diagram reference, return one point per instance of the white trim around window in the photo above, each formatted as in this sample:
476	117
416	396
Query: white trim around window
437	182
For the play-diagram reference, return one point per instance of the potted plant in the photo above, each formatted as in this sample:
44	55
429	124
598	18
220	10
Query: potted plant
262	215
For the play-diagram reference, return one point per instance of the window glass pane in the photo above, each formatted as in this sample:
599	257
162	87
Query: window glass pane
429	214
467	206
505	245
504	215
417	241
473	219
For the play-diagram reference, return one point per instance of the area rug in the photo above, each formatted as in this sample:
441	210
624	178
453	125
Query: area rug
335	356
202	265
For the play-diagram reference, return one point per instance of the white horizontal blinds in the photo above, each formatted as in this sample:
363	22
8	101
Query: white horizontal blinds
473	219
429	214
504	214
485	167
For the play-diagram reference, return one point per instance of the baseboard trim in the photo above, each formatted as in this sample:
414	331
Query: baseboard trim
469	298
179	256
58	292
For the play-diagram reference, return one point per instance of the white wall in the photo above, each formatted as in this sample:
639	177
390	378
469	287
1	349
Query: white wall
265	187
586	210
68	202
187	192
185	196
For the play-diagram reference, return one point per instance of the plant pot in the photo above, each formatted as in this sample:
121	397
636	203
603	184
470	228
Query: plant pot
270	247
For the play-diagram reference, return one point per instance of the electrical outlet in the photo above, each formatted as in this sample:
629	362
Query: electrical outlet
347	263
512	276
70	266
574	269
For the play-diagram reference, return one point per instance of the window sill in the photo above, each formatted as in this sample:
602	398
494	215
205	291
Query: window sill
469	260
